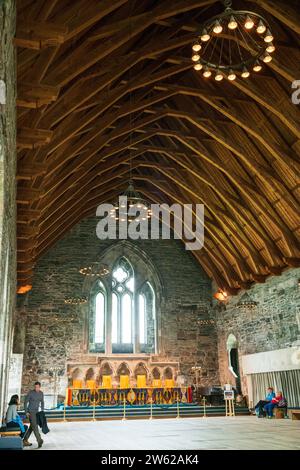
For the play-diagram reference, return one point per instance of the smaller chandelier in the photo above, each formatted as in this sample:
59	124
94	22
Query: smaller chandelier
246	302
94	270
206	321
131	206
231	44
75	300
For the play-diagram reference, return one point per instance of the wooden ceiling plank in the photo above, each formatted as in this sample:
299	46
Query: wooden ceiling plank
283	11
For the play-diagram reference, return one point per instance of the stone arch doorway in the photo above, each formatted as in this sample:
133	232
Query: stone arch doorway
233	360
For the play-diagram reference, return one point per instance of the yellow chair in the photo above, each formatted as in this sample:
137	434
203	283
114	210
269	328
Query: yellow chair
141	381
91	384
106	381
169	383
124	381
77	383
156	383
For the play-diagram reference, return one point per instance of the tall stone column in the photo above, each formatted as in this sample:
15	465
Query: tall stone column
7	190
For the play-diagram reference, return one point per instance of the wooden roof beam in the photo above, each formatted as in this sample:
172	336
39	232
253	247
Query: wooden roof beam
37	35
29	138
85	56
284	12
29	172
34	96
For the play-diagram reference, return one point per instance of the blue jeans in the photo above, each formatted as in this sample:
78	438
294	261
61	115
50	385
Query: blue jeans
269	408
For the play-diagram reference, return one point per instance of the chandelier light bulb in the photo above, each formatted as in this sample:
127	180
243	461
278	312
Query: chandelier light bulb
205	36
196	46
232	23
232	75
271	48
267	58
249	23
257	67
268	37
218	76
217	29
198	66
245	73
195	57
261	28
206	73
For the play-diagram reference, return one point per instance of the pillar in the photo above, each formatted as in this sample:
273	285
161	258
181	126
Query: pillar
7	190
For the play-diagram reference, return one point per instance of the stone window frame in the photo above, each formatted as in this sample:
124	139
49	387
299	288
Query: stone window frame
98	287
148	291
145	271
121	347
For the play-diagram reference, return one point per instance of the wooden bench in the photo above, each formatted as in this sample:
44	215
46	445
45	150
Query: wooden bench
10	433
295	414
279	413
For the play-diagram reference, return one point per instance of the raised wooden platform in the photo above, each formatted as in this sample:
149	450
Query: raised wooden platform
82	413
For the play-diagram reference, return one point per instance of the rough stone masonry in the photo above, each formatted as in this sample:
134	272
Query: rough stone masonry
7	188
56	332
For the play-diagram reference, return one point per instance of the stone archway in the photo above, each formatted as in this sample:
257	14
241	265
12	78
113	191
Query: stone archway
233	359
168	373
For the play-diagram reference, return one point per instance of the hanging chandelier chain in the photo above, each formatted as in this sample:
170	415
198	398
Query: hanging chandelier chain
227	4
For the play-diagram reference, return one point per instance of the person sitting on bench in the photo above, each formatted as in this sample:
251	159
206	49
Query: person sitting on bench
279	402
259	407
13	420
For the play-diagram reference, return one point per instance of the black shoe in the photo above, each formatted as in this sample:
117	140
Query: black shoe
27	444
40	443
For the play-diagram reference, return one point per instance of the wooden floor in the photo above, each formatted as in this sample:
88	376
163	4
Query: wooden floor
243	432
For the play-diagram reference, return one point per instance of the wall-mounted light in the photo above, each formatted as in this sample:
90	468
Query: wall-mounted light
221	295
24	289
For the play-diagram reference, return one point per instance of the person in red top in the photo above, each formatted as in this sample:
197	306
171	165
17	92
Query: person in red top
278	401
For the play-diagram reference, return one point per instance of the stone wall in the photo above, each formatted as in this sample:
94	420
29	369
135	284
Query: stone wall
7	189
273	324
56	333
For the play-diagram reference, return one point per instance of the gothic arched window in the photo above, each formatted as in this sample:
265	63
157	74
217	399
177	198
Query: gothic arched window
146	318
98	319
122	307
123	317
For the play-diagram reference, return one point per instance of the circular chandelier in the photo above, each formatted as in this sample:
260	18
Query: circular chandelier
94	270
75	300
246	302
233	43
131	199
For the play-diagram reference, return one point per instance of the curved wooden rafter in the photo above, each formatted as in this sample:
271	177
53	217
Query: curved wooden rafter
100	86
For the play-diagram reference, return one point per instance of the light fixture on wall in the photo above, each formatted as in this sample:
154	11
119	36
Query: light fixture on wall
233	43
221	295
24	289
246	302
75	300
95	270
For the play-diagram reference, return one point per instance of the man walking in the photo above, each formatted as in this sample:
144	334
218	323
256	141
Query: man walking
34	399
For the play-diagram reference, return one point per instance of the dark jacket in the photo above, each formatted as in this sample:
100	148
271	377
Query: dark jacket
33	401
42	422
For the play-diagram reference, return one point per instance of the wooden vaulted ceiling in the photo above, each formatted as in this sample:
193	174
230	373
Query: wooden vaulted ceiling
98	78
